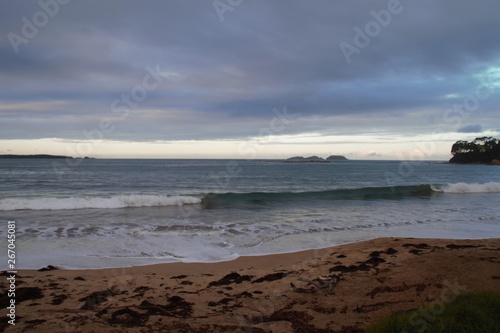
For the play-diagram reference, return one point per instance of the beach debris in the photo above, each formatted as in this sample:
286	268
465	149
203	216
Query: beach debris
324	283
231	278
415	252
271	277
391	251
419	287
375	261
418	246
299	320
222	301
302	290
28	293
134	315
177	306
351	268
372	262
22	294
32	324
244	294
376	254
140	291
455	246
48	268
97	298
127	317
58	299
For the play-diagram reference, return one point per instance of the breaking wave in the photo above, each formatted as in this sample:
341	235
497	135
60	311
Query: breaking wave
490	187
119	201
215	200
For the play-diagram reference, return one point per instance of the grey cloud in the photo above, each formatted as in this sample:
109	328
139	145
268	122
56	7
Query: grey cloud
471	129
265	54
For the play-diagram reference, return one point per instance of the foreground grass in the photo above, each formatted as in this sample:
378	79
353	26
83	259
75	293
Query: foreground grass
477	312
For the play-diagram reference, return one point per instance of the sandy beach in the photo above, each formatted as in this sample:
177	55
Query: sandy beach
338	289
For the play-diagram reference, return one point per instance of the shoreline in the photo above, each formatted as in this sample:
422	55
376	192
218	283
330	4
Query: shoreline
223	261
419	235
365	281
228	261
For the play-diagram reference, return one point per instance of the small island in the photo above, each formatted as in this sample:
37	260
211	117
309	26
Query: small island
485	150
336	158
316	159
34	156
43	156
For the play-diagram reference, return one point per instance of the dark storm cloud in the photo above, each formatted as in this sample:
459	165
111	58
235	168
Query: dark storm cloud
471	129
225	77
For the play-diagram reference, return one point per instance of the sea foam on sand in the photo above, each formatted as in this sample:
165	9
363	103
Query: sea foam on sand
275	293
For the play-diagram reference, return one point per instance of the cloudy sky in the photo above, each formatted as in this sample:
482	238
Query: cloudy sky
248	78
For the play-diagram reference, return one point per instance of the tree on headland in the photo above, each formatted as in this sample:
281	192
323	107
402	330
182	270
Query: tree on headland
480	150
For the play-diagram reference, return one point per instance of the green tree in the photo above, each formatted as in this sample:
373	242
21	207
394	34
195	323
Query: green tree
480	150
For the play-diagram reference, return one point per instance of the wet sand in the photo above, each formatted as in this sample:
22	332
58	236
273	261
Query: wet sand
337	289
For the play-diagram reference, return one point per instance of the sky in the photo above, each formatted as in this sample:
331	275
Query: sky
248	79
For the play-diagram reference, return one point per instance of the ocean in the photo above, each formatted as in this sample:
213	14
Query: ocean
97	213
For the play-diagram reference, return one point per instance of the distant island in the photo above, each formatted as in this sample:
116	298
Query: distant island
485	150
316	159
40	156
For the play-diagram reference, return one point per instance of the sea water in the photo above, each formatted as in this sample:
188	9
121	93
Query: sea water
115	213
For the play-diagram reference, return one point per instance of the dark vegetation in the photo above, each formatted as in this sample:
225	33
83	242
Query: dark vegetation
33	156
483	150
471	312
42	156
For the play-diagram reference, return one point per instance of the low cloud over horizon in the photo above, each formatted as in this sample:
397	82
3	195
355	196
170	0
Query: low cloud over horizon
378	79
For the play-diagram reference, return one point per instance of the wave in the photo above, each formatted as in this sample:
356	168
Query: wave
214	200
119	201
491	187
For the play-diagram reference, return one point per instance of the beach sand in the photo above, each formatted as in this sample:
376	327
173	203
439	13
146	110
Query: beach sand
363	282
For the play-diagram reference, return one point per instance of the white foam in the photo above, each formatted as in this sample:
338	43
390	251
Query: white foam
120	201
491	187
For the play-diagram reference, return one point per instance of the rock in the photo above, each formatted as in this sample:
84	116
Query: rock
306	159
336	158
48	268
316	159
39	156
